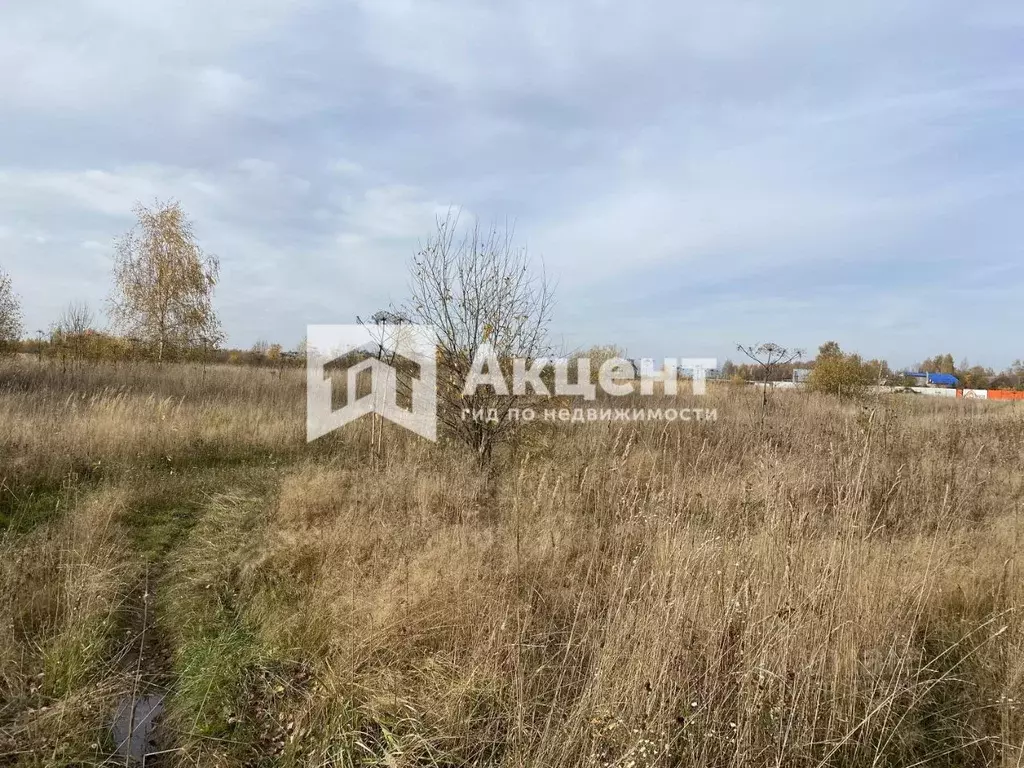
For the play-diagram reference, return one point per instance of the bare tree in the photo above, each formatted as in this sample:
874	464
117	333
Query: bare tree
164	282
476	287
68	334
76	318
258	353
10	313
769	356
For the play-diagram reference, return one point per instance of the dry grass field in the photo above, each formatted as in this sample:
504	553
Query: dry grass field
841	587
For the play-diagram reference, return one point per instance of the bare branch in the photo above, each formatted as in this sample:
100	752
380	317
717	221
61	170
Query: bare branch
476	287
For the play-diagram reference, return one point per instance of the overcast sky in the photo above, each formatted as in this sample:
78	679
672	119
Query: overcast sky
693	174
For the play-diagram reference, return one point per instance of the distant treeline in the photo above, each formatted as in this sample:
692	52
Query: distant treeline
98	346
879	371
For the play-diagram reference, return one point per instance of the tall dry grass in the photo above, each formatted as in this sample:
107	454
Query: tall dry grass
53	423
64	592
839	587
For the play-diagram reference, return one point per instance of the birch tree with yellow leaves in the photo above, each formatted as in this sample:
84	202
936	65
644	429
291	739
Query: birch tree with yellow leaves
164	283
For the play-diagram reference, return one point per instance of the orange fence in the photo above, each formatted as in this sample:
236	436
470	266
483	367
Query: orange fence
1005	394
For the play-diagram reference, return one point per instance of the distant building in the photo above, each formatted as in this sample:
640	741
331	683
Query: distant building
934	379
801	375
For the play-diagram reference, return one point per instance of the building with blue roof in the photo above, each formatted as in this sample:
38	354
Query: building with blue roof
935	379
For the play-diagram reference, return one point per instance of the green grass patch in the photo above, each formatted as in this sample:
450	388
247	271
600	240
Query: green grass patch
25	508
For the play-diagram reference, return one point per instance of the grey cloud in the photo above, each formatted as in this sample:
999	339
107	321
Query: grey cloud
669	143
